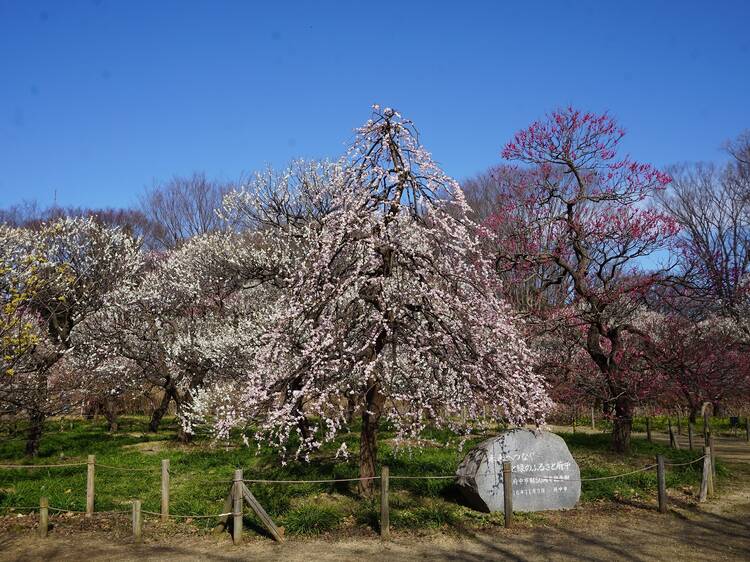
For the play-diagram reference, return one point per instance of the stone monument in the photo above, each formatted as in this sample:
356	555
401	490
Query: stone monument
544	474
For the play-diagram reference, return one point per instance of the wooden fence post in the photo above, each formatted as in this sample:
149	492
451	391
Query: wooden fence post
648	428
662	482
137	521
690	435
508	493
706	427
90	475
237	507
709	471
43	516
706	474
713	459
747	429
165	490
385	514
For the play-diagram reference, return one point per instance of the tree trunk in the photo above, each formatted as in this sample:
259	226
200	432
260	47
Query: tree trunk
180	403
351	405
368	441
718	409
110	413
159	412
622	424
693	414
34	434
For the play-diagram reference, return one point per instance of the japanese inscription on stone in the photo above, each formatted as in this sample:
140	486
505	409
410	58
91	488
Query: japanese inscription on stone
544	473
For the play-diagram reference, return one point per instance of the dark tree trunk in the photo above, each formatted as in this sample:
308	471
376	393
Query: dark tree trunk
718	409
90	411
110	413
622	425
368	442
34	434
159	412
351	405
694	414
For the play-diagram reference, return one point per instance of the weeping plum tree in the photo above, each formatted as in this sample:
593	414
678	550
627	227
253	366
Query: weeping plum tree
574	218
387	300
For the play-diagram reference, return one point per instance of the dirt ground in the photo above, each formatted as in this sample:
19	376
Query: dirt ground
717	530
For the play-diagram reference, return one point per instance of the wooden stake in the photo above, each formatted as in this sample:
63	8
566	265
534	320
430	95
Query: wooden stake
690	435
90	475
747	429
43	517
508	493
706	427
237	507
706	474
137	521
268	523
165	490
713	458
385	514
224	519
662	482
648	428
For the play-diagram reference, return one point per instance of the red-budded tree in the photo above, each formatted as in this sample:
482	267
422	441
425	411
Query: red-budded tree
573	219
698	362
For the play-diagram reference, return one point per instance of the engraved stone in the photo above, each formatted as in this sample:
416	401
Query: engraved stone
545	475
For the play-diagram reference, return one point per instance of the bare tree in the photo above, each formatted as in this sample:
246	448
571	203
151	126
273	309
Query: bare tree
184	207
712	204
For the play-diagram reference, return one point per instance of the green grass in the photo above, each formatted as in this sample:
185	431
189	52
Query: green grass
312	519
200	472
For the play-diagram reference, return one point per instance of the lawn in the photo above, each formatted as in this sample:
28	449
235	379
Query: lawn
200	472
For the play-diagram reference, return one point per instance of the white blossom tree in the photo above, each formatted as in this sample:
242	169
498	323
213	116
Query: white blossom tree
188	316
77	262
384	297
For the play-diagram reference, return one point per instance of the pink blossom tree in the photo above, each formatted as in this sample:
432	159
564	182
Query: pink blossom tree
574	219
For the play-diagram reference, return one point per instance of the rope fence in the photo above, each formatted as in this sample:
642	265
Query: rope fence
14	466
239	493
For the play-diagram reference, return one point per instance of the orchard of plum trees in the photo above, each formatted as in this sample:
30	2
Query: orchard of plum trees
376	287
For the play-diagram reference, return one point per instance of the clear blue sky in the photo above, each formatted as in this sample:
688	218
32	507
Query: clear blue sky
98	99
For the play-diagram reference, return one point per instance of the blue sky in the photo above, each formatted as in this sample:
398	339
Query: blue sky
99	99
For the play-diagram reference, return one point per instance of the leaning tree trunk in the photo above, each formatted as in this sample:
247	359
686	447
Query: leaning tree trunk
622	425
34	434
368	442
158	413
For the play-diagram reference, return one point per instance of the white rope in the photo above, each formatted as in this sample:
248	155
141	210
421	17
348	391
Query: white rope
12	466
189	516
685	463
260	481
128	469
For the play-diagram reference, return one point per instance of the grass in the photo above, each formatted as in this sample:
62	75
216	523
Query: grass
200	472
